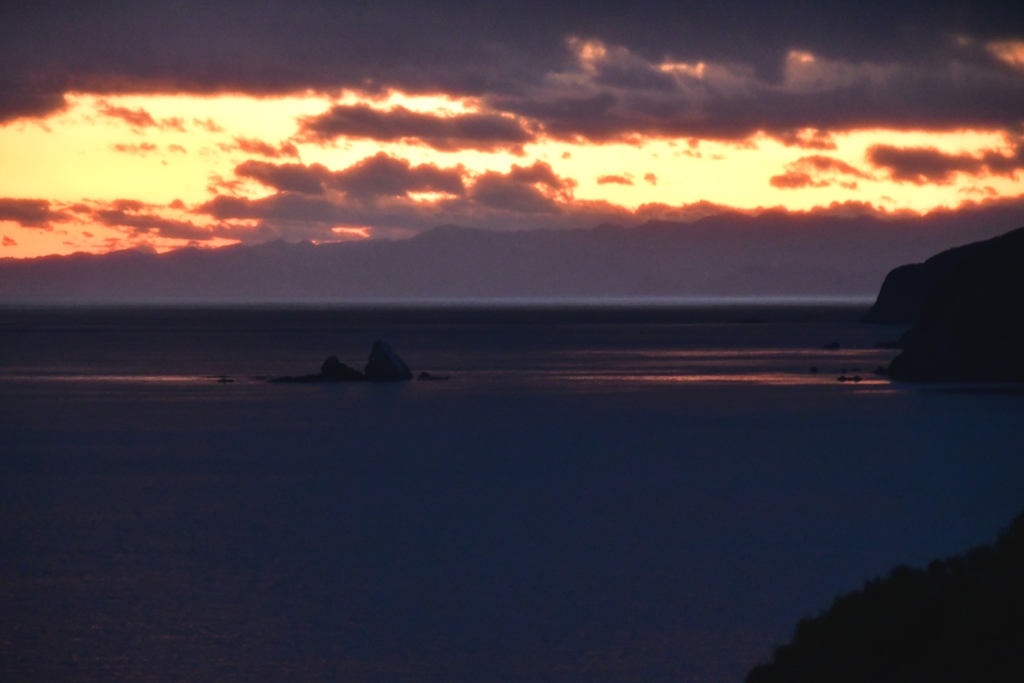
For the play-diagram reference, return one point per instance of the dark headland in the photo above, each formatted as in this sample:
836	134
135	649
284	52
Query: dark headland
966	308
959	619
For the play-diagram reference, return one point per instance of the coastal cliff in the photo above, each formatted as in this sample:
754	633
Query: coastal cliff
906	288
967	310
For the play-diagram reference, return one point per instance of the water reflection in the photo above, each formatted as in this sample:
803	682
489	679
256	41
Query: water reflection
760	366
573	368
761	378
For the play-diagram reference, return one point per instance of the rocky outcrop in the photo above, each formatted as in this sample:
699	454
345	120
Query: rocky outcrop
971	324
957	620
907	288
384	365
333	370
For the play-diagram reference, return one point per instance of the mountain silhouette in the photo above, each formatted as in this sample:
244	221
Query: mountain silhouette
730	254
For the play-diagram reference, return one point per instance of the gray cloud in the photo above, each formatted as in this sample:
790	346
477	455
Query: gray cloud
376	192
921	165
374	177
730	101
460	131
141	220
286	177
149	224
21	98
385	176
29	213
903	65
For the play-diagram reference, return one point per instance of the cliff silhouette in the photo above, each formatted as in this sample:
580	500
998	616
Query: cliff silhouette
907	287
967	309
959	619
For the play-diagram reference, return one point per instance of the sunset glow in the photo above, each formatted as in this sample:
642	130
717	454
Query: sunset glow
180	151
604	133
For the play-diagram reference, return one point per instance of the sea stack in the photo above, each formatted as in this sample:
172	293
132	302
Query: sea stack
384	365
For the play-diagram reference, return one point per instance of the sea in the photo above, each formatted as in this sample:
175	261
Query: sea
611	491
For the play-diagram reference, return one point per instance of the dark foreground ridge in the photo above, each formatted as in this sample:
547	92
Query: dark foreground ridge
967	310
383	365
959	620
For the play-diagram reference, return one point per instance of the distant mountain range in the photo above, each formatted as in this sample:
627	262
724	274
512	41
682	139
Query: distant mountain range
727	255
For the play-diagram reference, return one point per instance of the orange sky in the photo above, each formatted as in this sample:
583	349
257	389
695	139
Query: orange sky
172	153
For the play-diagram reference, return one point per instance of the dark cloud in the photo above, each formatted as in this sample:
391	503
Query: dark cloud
921	165
282	206
30	213
519	191
905	65
498	191
142	220
376	192
374	177
9	241
542	173
731	102
286	177
142	224
458	131
19	99
808	138
385	176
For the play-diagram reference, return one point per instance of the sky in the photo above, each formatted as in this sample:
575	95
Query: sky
159	125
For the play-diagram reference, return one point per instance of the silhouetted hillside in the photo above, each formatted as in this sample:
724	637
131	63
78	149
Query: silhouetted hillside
906	287
772	254
960	619
971	324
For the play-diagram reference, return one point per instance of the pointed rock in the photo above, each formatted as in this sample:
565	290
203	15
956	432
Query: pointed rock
333	370
384	365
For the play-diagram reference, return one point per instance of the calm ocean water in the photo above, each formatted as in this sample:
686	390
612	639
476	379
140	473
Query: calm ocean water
597	493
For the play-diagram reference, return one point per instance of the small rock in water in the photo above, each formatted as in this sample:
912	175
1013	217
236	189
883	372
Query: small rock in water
384	365
427	377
